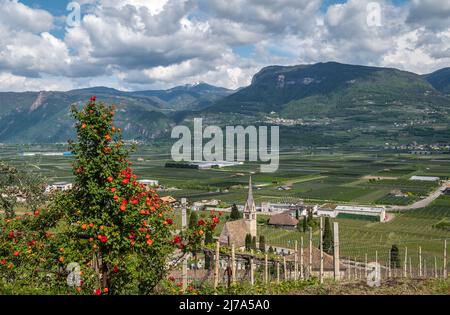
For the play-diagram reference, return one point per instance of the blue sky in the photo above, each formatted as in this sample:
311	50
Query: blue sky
150	44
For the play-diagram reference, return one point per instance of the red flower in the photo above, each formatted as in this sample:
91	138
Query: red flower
36	213
97	292
135	183
110	179
169	221
134	201
149	242
201	222
3	262
103	238
115	269
123	208
172	278
177	239
93	98
11	235
16	253
125	181
215	220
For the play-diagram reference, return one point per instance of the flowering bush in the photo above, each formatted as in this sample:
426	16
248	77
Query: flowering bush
119	232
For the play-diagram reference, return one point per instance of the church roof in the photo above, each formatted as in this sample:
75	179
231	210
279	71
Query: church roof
283	219
234	232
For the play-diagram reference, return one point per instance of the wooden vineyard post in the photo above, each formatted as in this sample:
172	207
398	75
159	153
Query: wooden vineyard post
445	260
183	227
425	274
216	265
278	272
410	268
266	269
435	267
321	251
405	263
296	261
252	272
233	264
420	262
389	265
350	270
285	269
310	253
337	271
366	262
302	275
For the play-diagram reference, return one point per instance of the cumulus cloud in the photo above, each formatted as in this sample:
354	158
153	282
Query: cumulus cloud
142	44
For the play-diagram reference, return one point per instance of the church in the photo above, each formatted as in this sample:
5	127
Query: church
234	232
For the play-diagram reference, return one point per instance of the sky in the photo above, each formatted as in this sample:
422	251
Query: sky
158	44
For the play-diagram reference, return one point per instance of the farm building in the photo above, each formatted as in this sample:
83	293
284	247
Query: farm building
446	189
425	178
61	186
346	211
283	220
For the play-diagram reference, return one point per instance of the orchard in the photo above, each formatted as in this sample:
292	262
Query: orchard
108	235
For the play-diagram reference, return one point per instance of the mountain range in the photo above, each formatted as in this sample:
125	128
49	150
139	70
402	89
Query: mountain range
321	104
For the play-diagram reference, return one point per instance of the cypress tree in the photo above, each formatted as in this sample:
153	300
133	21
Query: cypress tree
254	243
248	242
235	214
395	258
328	237
262	244
305	224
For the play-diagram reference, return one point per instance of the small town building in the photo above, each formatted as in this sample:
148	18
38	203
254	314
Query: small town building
60	186
333	211
283	220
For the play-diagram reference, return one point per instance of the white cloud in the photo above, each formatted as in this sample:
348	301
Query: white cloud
139	44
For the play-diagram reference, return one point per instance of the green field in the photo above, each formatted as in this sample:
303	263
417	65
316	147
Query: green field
315	177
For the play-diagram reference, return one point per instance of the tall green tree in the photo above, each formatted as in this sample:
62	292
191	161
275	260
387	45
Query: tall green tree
395	257
305	224
235	213
254	243
328	237
248	242
262	243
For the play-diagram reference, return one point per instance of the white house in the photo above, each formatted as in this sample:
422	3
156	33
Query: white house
61	186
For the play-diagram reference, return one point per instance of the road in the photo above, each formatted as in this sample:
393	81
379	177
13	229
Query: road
424	202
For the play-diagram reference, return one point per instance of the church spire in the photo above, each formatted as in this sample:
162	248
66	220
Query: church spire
250	192
250	211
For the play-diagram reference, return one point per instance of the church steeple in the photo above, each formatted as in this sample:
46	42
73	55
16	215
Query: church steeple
250	211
